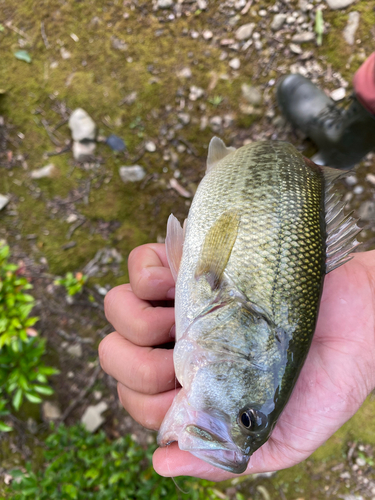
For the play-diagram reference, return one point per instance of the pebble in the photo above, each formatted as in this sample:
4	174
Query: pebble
251	94
235	63
339	4
351	28
358	189
180	189
207	34
71	218
245	31
119	44
216	123
195	93
371	178
338	94
184	118
202	4
305	36
150	146
83	151
82	125
115	143
278	21
132	173
4	200
184	73
360	461
75	350
304	5
351	180
367	210
51	411
296	49
47	171
65	54
92	418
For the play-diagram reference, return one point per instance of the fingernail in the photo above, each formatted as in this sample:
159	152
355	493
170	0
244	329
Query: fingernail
171	293
172	332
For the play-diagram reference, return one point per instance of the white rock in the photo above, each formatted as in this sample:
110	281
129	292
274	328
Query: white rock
339	4
207	34
184	73
351	180
216	123
351	27
46	171
164	4
305	36
92	418
75	350
51	411
83	151
258	44
367	210
358	189
82	125
304	5
150	146
65	54
277	21
4	200
235	63
338	94
184	118
202	4
251	94
71	218
195	93
245	31
296	49
132	173
370	178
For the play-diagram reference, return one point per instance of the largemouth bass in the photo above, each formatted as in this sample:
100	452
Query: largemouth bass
264	227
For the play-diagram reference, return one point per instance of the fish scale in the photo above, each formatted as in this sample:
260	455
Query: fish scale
249	282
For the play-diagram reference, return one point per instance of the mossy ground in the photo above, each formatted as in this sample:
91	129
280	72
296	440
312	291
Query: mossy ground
97	77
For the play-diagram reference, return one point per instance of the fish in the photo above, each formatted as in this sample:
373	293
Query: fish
264	228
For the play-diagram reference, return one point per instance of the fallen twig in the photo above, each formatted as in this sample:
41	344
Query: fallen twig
44	36
75	226
49	132
9	25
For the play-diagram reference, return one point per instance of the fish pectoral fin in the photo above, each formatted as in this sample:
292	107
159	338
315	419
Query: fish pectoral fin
217	247
174	243
217	150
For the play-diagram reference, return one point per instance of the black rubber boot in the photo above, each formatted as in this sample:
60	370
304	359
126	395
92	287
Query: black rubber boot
343	136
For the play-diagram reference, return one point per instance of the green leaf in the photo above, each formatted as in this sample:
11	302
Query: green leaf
33	398
23	55
43	389
17	399
319	27
5	428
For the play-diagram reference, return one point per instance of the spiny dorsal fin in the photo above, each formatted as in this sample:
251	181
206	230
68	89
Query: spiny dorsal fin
173	244
217	150
341	229
217	247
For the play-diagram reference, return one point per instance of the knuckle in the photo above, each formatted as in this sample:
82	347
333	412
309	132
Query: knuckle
108	301
104	350
147	377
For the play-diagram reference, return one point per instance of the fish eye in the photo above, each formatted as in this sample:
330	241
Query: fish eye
252	420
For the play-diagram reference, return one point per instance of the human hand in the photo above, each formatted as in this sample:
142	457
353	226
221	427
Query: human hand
337	376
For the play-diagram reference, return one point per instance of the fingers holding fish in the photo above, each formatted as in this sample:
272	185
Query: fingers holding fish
142	369
150	276
137	320
148	410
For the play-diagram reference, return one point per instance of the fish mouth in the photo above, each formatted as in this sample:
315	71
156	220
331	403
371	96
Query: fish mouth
204	435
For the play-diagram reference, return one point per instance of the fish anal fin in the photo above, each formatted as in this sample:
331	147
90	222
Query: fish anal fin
217	150
217	247
174	244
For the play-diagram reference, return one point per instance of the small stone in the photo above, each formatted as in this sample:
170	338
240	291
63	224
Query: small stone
98	395
4	200
202	4
65	54
358	189
132	173
367	210
164	4
296	49
47	171
216	123
92	418
251	94
184	118
83	151
51	411
71	218
82	125
304	5
370	178
130	98
119	44
351	27
278	21
75	350
195	93
339	4
115	143
150	146
184	73
360	461
245	31
305	36
351	180
338	94
207	34
258	44
235	63
180	189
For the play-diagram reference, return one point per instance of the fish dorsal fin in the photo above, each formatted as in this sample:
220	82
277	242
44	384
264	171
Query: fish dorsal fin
341	229
217	150
217	247
173	244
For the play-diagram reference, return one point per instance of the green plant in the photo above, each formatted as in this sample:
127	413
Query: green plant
216	100
22	374
319	27
81	466
72	283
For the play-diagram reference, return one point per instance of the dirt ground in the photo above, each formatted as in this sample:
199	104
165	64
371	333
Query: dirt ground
165	80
